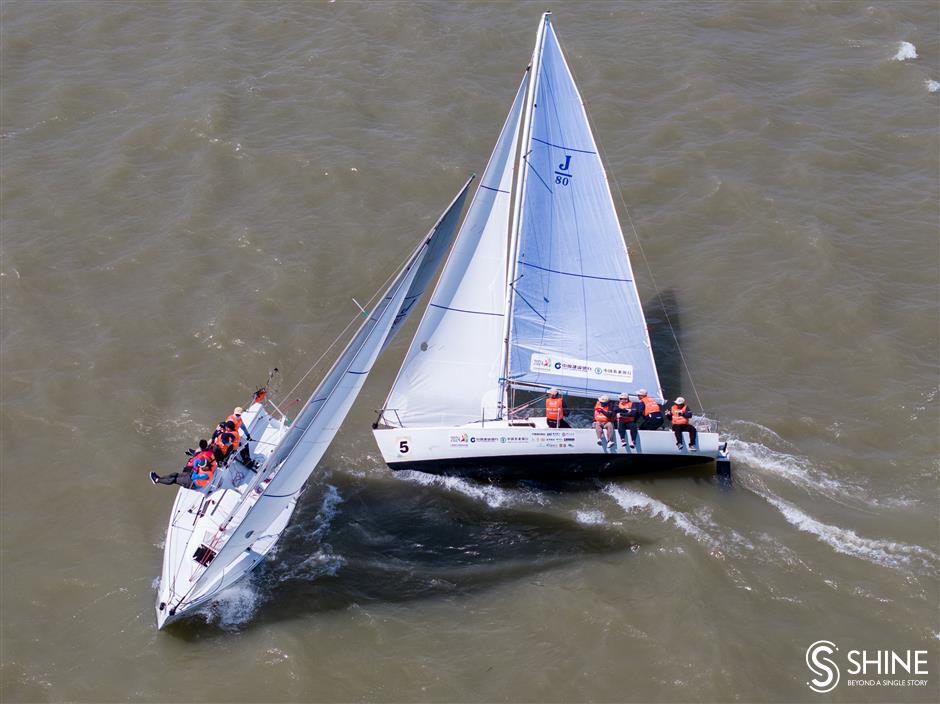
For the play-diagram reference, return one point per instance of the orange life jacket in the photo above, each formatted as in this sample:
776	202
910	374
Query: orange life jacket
209	468
236	420
677	417
649	406
554	408
225	447
602	412
627	410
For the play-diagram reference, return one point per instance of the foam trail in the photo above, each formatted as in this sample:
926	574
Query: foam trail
803	473
881	552
328	510
906	51
493	496
932	85
631	501
234	607
797	469
591	518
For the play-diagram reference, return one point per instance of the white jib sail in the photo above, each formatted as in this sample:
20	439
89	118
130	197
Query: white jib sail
316	425
450	375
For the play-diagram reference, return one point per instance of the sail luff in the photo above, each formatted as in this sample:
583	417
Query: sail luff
525	140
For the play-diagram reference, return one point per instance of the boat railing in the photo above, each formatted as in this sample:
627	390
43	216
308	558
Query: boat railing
582	416
381	419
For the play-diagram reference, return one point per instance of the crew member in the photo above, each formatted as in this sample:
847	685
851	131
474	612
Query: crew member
603	421
627	414
238	425
556	409
224	444
681	423
652	414
197	473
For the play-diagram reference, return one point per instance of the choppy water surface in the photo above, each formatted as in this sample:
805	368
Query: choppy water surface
192	193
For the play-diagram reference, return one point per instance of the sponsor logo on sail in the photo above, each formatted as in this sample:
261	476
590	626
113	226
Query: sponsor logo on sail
593	369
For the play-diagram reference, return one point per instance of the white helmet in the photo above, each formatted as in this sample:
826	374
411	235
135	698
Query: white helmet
641	392
603	399
553	391
680	401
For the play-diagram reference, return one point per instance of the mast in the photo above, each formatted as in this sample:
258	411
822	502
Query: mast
518	193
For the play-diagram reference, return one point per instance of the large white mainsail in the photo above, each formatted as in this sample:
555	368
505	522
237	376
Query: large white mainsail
576	318
451	373
247	529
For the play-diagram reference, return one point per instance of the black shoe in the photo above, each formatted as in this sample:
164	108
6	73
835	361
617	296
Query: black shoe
632	446
678	445
154	477
693	448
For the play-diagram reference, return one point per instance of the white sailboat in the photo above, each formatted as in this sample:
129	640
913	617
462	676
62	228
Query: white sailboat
218	534
538	292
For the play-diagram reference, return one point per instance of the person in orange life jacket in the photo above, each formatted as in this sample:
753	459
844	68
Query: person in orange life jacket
652	414
627	413
603	420
197	472
232	425
244	455
225	443
681	423
556	409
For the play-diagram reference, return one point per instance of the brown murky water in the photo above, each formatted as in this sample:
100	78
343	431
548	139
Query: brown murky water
192	194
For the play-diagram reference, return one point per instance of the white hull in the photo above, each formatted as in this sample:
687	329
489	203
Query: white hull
534	451
209	517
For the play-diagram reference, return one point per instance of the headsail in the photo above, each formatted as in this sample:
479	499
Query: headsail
576	318
451	373
313	430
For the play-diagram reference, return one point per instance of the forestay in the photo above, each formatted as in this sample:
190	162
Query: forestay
576	319
316	425
451	373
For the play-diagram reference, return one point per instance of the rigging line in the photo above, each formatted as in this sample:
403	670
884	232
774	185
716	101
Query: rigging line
636	235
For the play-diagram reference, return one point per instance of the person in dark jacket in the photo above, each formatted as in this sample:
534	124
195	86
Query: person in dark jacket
681	418
652	413
627	413
197	472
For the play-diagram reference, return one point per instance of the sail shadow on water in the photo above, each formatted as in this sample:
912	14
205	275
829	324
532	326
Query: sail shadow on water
662	313
392	542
